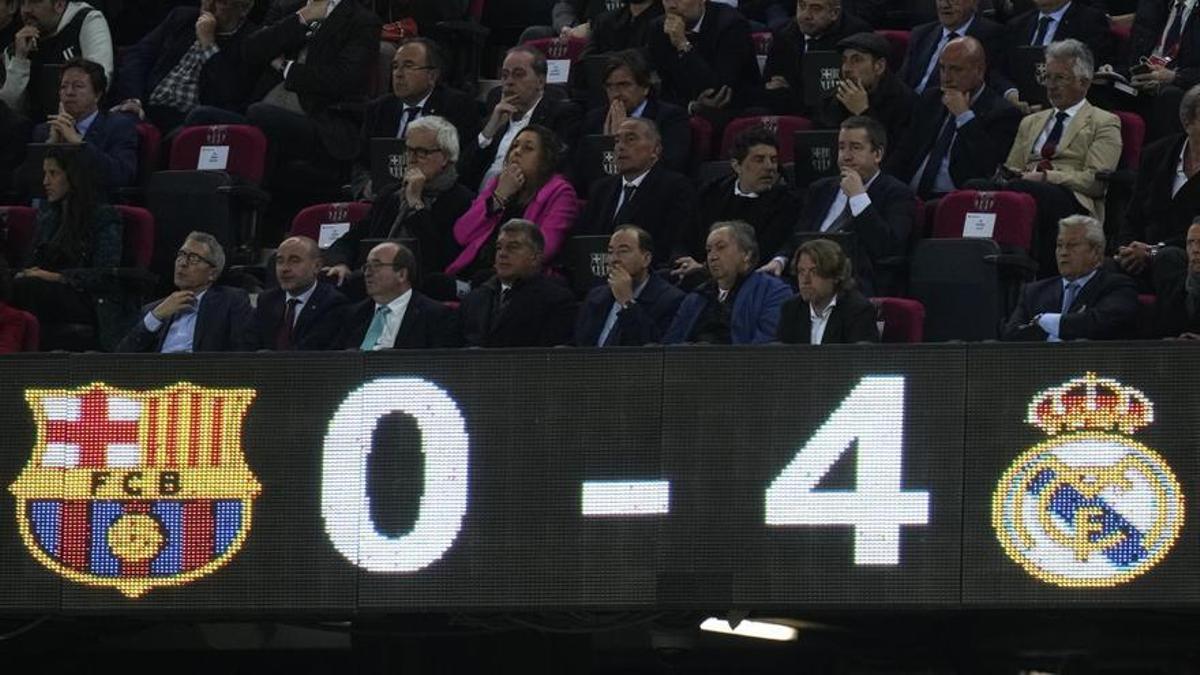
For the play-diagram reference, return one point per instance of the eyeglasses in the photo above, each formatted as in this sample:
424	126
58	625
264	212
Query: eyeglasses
373	266
1057	79
408	65
420	153
191	258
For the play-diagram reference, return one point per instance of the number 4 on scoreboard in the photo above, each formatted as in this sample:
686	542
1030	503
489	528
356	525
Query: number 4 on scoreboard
874	415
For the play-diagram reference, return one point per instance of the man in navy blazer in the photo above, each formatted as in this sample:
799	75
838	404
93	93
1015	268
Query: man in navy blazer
302	314
737	306
956	18
703	52
199	317
875	208
1054	20
395	316
1085	302
110	141
637	306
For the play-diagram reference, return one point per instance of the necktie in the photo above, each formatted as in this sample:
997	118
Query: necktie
807	45
375	329
411	112
1051	144
283	339
935	78
842	220
936	156
1043	27
621	214
1171	41
1069	294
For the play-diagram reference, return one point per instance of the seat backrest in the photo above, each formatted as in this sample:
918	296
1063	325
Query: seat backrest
137	235
711	170
702	133
557	48
1015	216
898	41
239	149
903	319
32	339
149	150
183	201
1133	137
380	80
783	126
334	217
475	10
959	286
17	224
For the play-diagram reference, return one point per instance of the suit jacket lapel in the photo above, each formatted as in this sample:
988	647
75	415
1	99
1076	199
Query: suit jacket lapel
1081	118
411	317
202	312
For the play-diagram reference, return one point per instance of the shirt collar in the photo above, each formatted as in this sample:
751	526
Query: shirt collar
420	104
86	123
637	291
699	22
961	30
1057	14
1081	281
738	192
822	315
867	184
303	297
641	109
398	303
1072	111
636	182
529	113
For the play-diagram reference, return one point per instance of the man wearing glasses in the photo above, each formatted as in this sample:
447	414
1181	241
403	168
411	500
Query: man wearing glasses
199	317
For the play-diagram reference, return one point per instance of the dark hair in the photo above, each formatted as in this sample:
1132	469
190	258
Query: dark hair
644	239
631	59
539	59
405	260
830	260
529	229
433	52
552	151
93	70
756	135
78	207
875	131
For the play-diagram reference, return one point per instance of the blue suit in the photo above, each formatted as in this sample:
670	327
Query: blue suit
643	322
111	143
755	316
224	323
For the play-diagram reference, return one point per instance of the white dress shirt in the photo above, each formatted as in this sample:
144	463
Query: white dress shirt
391	324
635	183
819	321
1187	12
961	31
858	204
1056	21
303	300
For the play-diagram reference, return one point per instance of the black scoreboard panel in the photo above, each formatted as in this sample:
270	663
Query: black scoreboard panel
694	478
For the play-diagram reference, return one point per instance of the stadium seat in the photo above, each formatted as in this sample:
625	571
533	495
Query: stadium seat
1120	182
31	340
245	150
898	41
1133	137
380	81
957	282
137	235
784	127
570	49
1016	216
702	134
17	223
711	170
309	221
149	150
903	319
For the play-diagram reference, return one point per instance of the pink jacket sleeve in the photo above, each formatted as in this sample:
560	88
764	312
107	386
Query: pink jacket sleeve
554	210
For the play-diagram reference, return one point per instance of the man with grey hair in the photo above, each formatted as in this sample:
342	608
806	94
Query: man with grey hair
199	317
738	305
1085	301
1058	151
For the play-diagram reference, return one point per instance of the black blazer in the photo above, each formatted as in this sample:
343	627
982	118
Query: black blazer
555	111
673	126
881	231
923	42
772	214
1105	309
979	147
643	322
427	324
541	313
722	55
1148	25
341	54
786	55
319	322
618	29
224	323
890	103
111	144
852	320
664	206
382	119
1154	215
224	80
1081	22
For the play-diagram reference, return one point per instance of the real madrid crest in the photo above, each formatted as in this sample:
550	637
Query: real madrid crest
136	489
1090	506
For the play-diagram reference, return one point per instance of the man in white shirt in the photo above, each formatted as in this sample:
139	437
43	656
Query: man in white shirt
395	316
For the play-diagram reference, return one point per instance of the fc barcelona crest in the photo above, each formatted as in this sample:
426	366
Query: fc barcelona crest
1089	507
136	489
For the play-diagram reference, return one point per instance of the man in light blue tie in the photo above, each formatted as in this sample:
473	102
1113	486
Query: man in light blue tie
395	316
1085	302
200	316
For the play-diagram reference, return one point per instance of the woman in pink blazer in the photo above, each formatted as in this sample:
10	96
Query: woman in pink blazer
529	188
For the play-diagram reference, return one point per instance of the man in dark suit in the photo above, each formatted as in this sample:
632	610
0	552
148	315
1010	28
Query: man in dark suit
626	27
627	83
110	140
314	55
199	317
875	208
961	130
703	52
868	87
643	193
1177	286
819	26
520	100
828	310
1168	31
1053	20
1085	302
956	18
395	316
417	92
301	314
159	80
637	306
519	307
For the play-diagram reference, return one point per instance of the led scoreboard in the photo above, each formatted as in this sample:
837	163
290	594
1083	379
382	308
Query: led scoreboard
933	476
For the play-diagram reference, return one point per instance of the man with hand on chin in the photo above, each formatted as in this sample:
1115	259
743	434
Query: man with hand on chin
704	55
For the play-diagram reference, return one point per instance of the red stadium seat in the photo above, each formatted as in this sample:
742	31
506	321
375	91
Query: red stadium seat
557	48
137	235
308	222
246	147
149	150
784	127
898	40
17	223
1016	215
903	319
702	133
762	47
32	339
1133	137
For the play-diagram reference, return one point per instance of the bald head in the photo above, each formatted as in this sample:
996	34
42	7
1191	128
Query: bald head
297	261
962	64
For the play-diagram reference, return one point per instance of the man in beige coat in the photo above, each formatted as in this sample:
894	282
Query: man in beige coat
1058	151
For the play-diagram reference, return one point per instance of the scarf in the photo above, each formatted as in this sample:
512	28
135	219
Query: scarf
433	189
